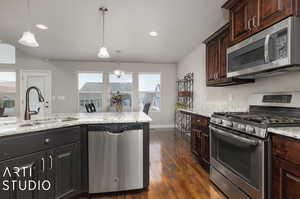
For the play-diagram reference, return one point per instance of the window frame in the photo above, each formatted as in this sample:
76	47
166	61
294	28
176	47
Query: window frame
17	98
127	92
98	92
135	89
160	80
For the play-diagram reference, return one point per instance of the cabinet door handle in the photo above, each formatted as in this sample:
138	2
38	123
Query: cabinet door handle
249	24
254	24
51	162
43	165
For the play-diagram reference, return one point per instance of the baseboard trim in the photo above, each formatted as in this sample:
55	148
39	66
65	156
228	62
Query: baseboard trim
162	126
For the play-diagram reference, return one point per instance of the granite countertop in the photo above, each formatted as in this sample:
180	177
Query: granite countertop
13	126
203	113
293	132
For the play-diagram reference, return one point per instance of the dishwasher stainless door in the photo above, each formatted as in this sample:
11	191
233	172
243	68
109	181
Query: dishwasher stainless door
115	161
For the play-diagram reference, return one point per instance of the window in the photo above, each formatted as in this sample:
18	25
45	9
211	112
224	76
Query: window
90	87
7	94
149	91
123	85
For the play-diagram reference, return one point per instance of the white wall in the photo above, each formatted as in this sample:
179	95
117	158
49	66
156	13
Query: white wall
64	82
232	98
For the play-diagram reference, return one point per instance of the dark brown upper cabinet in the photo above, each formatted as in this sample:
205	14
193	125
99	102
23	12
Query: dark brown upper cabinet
239	20
216	60
272	11
248	17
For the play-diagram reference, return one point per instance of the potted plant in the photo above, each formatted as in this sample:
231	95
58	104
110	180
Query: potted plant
2	108
117	100
181	105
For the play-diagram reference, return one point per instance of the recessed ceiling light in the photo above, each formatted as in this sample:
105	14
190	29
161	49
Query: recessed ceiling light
41	26
153	34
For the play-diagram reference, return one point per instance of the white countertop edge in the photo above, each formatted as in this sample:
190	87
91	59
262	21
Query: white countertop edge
194	112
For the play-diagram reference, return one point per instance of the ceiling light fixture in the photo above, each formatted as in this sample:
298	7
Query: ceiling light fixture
103	53
41	26
28	38
153	34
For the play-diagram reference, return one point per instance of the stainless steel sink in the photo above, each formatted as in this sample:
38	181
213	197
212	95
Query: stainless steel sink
47	121
26	125
68	119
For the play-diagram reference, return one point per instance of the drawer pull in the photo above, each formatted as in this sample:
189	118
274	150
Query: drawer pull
51	162
43	165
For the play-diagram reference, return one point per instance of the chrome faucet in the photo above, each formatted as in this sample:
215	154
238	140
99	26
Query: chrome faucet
28	112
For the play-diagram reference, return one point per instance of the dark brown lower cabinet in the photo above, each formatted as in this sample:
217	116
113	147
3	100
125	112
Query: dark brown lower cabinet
200	139
285	168
205	147
286	179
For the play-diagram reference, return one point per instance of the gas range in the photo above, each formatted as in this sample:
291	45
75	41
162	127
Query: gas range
254	123
240	145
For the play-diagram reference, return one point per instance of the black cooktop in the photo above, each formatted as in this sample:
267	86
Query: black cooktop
260	118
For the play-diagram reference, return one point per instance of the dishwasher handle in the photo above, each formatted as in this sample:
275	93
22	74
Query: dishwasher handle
114	133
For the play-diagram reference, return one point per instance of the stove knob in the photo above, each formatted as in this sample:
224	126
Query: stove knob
213	120
250	129
228	123
218	121
242	127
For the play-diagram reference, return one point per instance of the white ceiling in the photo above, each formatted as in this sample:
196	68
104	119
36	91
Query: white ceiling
74	27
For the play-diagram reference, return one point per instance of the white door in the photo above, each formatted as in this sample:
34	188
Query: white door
41	80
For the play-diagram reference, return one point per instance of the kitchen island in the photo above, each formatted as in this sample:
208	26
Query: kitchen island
57	149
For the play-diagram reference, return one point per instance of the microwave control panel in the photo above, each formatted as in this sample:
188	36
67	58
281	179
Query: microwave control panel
280	42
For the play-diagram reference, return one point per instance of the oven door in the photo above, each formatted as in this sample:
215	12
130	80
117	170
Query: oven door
239	158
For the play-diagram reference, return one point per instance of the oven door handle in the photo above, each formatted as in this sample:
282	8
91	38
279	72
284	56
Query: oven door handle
234	137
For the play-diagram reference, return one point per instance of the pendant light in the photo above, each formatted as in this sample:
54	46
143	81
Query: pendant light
28	38
103	53
118	72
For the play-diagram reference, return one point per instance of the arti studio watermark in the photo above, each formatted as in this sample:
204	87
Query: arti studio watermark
20	178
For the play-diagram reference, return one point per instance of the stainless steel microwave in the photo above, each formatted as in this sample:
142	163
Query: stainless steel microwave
273	50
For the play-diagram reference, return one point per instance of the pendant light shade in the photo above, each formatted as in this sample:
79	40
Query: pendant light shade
103	53
119	73
28	39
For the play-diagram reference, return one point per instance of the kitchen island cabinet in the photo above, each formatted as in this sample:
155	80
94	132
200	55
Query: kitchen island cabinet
54	161
57	151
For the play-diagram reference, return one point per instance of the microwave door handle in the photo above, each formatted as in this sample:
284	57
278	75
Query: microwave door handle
267	41
234	137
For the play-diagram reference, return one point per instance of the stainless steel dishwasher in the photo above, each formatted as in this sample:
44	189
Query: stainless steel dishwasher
115	160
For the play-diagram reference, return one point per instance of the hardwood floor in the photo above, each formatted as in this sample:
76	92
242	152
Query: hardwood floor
174	173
